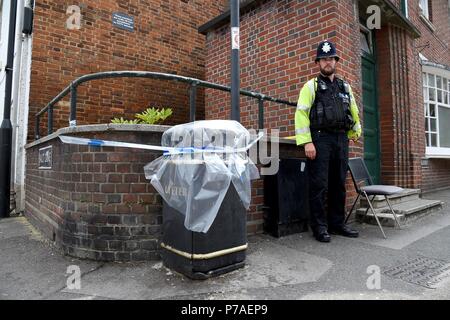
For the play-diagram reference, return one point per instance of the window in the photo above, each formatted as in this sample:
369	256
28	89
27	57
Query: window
436	94
424	8
365	38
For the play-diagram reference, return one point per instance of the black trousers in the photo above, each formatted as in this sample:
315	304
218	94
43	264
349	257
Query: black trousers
327	174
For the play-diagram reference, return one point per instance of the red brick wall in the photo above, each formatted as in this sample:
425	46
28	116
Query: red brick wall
436	175
439	38
401	109
278	45
96	203
385	102
165	39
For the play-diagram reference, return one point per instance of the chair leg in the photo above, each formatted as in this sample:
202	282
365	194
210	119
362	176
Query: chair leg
375	215
393	212
351	210
367	209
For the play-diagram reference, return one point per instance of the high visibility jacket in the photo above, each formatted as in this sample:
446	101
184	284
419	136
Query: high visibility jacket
304	104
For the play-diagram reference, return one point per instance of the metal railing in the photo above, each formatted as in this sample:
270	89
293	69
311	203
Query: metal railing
193	83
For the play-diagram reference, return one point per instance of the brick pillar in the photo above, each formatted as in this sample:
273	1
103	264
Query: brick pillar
400	110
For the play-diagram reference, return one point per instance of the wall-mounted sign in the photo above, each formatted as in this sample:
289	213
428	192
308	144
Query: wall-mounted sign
123	21
46	157
235	38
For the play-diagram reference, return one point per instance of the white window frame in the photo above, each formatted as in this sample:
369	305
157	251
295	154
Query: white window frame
424	8
367	32
436	152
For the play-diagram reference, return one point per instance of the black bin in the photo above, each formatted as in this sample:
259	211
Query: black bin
203	255
286	209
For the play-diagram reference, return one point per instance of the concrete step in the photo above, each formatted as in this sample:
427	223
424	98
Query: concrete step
407	212
404	196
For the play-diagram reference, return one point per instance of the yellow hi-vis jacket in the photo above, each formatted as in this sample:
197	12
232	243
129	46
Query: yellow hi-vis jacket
304	104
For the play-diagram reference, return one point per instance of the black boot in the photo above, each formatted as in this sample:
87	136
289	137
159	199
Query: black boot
344	231
322	236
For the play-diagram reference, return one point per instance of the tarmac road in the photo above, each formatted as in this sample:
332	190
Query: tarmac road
288	268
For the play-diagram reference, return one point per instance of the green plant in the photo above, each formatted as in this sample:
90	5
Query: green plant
149	116
123	121
152	115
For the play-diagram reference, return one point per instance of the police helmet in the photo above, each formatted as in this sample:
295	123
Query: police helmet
326	49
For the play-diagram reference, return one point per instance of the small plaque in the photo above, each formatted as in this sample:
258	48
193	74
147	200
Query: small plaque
123	21
46	158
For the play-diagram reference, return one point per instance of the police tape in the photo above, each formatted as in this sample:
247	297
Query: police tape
165	150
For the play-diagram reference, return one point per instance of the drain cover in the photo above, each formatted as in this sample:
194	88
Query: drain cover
422	271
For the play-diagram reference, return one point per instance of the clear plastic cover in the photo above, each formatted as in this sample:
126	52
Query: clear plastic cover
196	184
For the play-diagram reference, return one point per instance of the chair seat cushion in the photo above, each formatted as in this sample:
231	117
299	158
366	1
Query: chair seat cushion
381	189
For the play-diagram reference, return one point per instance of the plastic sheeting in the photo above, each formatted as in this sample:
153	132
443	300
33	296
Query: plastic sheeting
196	184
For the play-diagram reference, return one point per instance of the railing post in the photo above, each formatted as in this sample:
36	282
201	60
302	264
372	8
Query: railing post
235	65
193	100
50	120
36	127
73	106
260	113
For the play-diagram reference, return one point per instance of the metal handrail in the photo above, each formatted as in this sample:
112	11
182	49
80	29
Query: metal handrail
194	83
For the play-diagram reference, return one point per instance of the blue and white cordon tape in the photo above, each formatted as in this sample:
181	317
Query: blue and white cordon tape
165	150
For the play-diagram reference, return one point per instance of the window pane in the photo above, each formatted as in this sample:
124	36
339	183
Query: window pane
434	140
425	94
432	110
444	127
423	5
427	114
432	94
438	82
433	125
444	84
427	126
431	80
439	96
365	46
427	137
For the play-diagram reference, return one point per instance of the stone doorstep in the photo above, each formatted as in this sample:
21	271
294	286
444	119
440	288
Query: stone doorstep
380	202
406	212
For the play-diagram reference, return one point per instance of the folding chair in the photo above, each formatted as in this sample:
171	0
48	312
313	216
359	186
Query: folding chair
360	174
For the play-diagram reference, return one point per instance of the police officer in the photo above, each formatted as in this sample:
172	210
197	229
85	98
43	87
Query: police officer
325	119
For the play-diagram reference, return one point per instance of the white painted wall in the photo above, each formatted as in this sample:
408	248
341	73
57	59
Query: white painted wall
20	94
